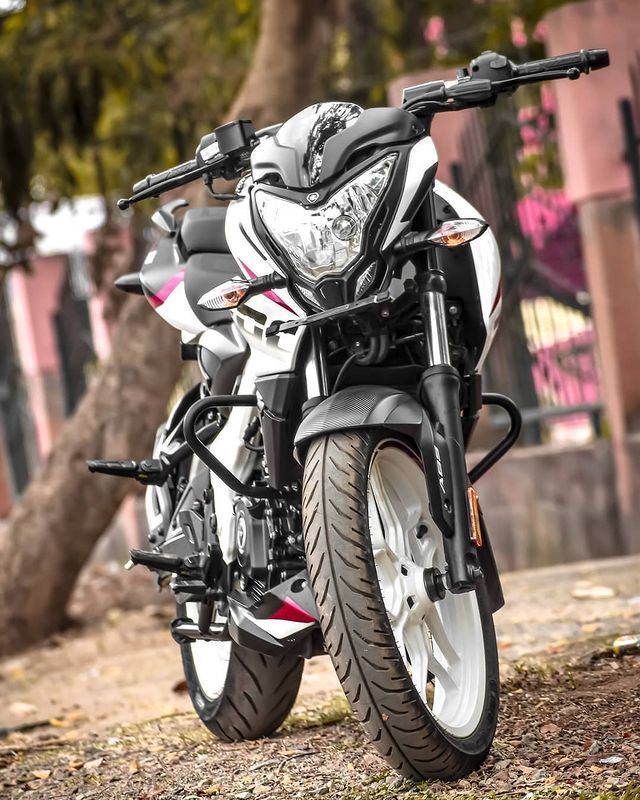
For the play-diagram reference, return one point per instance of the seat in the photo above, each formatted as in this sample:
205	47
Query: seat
202	230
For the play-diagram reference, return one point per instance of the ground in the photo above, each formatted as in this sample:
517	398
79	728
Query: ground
112	719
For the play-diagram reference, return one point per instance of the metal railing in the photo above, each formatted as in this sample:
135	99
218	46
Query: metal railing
545	351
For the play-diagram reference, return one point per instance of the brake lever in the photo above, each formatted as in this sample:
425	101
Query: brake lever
482	91
573	73
156	189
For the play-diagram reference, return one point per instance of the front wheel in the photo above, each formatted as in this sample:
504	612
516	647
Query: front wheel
421	674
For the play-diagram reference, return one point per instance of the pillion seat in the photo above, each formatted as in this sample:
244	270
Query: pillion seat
209	262
202	230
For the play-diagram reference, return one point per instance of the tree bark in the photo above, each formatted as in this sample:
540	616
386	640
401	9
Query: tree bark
288	63
54	527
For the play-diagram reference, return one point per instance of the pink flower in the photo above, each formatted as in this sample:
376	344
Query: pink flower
518	34
434	29
540	31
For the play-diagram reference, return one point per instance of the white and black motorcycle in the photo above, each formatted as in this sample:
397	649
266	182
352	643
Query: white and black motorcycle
311	493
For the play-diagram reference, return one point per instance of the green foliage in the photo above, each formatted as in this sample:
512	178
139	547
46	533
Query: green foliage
384	38
93	95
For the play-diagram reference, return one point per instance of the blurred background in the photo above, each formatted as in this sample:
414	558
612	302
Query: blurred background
94	96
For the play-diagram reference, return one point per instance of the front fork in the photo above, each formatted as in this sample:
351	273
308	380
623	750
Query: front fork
439	392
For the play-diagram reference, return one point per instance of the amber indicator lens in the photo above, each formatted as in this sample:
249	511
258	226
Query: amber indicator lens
455	232
474	513
227	295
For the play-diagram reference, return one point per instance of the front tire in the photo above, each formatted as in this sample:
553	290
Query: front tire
421	676
238	693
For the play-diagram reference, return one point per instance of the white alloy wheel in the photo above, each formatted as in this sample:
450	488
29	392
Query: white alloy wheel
441	643
210	659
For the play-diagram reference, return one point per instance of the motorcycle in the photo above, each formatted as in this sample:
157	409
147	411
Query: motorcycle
310	494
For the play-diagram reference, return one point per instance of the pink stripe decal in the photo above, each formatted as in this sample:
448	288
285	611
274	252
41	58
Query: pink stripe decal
270	294
159	298
497	298
292	612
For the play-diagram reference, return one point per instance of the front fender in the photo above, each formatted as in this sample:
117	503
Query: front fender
395	410
362	407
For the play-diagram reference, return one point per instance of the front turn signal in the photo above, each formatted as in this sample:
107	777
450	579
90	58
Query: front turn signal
451	233
228	295
455	232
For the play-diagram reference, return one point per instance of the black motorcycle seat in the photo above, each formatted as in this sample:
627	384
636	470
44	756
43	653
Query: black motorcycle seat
204	272
202	230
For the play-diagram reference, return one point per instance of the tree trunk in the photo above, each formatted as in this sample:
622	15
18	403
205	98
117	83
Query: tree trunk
288	63
54	527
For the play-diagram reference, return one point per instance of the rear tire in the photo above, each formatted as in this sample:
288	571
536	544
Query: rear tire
239	693
356	620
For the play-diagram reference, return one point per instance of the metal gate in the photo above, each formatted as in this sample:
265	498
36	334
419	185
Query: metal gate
73	335
14	415
544	355
630	119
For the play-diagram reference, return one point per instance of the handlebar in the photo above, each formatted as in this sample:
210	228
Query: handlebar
583	60
226	152
491	74
156	184
160	177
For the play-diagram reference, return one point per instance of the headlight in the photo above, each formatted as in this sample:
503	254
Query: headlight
327	239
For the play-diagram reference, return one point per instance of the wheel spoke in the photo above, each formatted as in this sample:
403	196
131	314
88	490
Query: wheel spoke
441	643
415	645
440	635
391	519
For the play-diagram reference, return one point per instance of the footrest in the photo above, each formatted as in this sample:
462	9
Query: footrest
122	469
149	471
161	562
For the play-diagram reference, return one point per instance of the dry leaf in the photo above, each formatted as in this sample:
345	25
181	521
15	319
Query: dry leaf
590	592
611	760
41	774
550	727
590	627
93	764
19	709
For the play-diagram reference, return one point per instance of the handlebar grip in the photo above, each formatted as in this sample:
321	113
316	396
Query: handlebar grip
161	177
584	60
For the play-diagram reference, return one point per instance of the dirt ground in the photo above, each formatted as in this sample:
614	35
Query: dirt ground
114	723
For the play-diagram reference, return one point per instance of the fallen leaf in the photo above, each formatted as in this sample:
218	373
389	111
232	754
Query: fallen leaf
611	760
93	764
550	727
41	774
591	592
179	687
113	615
19	709
133	768
590	627
67	720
